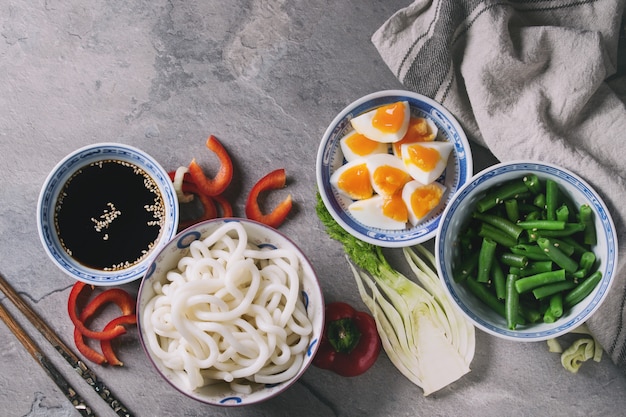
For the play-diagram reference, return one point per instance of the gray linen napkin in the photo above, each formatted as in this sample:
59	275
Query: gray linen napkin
529	80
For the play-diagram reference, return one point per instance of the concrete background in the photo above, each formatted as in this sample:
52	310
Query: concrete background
265	77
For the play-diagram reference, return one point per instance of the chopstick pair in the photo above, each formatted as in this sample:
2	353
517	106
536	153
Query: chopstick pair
79	366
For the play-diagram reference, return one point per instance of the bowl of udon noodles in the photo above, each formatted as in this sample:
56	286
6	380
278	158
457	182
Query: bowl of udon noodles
230	312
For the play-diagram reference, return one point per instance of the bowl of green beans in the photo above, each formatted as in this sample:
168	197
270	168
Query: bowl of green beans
527	250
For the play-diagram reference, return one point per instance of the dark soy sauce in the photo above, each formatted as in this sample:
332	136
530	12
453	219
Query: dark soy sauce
109	214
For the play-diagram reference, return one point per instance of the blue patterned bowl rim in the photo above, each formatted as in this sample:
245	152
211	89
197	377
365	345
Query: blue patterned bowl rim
54	183
329	158
458	210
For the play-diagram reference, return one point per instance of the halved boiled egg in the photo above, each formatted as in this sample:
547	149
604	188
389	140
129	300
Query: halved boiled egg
421	199
387	123
387	173
352	179
420	129
355	145
388	213
426	161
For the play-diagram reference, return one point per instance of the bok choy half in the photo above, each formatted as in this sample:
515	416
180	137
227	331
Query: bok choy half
423	334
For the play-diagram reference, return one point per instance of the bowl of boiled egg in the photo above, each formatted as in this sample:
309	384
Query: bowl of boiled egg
389	163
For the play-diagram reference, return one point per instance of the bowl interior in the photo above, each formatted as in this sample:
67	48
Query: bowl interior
260	235
456	217
330	158
51	190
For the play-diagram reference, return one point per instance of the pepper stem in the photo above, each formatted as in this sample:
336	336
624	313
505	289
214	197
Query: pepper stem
343	334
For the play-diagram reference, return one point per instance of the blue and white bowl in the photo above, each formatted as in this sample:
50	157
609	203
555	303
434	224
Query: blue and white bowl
220	393
330	158
457	215
53	186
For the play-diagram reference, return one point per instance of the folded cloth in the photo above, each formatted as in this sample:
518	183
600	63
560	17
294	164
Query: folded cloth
529	80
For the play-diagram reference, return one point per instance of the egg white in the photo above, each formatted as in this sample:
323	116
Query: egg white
363	124
351	154
407	193
426	177
370	213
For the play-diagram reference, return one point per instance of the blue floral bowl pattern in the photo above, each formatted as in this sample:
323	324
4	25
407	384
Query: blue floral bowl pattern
457	214
52	188
330	158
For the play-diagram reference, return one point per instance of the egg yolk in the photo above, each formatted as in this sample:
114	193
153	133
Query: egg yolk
394	208
390	179
355	181
424	199
424	158
361	145
418	131
389	118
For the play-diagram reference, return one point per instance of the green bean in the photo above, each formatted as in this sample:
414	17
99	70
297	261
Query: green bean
551	289
556	305
500	223
532	252
486	296
543	278
530	313
586	262
532	230
557	255
586	217
515	270
562	213
511	302
501	193
552	199
467	267
566	247
541	225
582	290
513	259
499	280
512	210
548	316
533	183
526	208
536	267
533	215
491	232
568	230
485	259
579	249
540	201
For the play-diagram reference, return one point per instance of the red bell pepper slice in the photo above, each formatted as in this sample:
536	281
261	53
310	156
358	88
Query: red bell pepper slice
106	345
350	343
124	301
224	175
225	206
78	322
210	211
272	181
89	353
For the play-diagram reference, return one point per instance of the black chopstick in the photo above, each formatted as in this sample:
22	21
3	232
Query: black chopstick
68	354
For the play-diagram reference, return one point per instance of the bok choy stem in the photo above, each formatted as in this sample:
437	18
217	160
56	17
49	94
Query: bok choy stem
423	334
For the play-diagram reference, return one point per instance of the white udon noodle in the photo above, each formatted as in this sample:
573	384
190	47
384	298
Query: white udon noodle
230	312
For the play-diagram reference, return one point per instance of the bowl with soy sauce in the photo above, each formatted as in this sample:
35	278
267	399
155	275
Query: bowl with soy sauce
104	211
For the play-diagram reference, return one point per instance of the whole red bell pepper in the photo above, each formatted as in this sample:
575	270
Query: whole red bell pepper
350	343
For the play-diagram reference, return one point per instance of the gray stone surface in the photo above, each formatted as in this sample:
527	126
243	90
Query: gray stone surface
266	77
